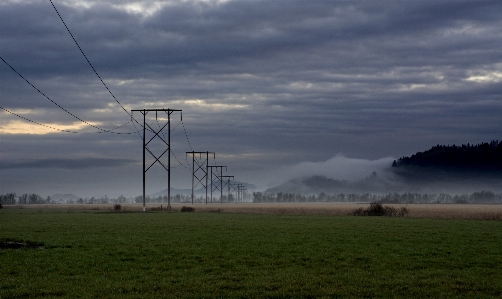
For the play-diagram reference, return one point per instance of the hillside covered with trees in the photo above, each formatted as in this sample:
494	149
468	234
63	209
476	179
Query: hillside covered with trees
443	168
450	161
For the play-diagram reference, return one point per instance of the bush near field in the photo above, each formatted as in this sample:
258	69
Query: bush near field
377	209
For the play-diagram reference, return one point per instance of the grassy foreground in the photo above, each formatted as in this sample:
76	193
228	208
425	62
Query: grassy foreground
95	254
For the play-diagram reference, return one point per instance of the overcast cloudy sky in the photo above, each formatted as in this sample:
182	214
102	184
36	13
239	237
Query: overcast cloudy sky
273	87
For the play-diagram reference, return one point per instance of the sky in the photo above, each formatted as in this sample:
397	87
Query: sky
276	89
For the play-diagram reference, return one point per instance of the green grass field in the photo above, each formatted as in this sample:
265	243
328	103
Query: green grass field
95	254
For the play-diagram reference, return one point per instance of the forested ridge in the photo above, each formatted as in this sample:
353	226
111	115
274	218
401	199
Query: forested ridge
483	158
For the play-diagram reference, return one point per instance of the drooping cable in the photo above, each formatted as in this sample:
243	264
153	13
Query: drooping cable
186	135
190	168
61	107
90	64
172	130
92	67
133	120
40	124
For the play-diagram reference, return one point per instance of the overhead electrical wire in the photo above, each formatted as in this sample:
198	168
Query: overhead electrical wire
40	124
132	120
61	107
186	135
95	72
90	64
189	144
172	130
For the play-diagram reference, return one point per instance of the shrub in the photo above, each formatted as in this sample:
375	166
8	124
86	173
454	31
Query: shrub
1	207
376	209
117	207
187	209
358	212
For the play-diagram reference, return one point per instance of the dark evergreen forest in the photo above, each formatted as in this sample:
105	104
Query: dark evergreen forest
484	159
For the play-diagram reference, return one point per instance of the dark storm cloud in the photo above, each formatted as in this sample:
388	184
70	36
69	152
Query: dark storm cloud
263	83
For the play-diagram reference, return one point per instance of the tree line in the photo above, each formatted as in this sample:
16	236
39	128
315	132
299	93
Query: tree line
476	197
483	157
265	197
13	198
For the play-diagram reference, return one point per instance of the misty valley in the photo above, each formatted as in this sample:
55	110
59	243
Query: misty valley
442	174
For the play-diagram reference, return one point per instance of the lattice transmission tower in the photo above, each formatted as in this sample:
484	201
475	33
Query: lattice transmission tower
217	176
199	170
155	134
227	183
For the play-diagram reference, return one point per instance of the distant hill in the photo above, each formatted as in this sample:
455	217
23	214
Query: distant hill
442	168
307	185
316	184
479	161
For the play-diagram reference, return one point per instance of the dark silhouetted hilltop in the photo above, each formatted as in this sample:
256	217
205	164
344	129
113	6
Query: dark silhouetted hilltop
479	161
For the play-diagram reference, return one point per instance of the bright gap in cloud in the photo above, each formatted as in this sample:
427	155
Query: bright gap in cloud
213	106
22	111
493	77
301	85
142	8
22	127
111	108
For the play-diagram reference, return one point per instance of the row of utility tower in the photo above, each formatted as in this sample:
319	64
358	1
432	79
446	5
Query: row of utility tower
207	176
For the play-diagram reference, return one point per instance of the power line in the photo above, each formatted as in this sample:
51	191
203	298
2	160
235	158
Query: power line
66	131
92	67
188	140
180	162
90	64
172	130
132	121
186	134
61	107
40	124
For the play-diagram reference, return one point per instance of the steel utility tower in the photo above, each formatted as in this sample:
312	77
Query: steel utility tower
201	169
156	134
221	180
240	192
228	184
234	189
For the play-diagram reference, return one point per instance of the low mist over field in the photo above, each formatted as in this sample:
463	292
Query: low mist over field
338	167
447	169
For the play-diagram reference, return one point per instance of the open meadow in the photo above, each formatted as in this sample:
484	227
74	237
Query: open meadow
446	211
250	251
